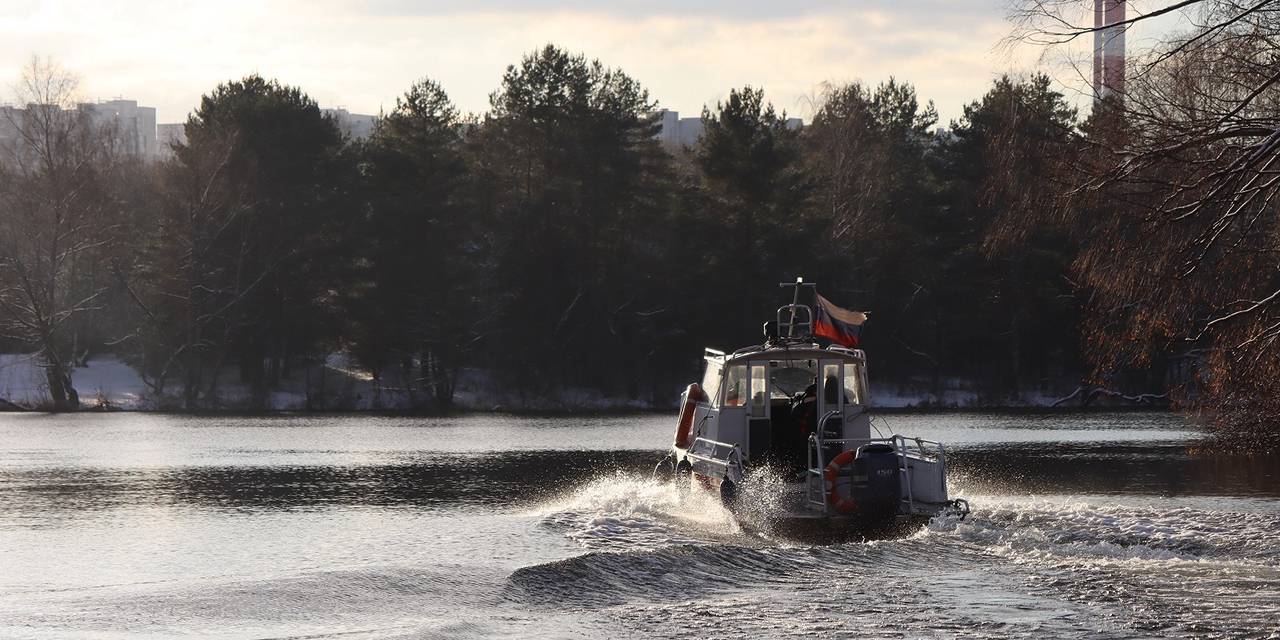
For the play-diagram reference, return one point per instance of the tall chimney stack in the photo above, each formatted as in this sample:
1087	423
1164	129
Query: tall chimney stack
1108	48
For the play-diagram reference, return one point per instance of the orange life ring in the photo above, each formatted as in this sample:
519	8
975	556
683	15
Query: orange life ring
693	394
843	504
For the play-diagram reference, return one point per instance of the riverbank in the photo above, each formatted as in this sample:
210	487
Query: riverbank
109	384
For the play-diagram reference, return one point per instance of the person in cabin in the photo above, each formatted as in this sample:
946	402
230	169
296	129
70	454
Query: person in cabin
805	408
831	391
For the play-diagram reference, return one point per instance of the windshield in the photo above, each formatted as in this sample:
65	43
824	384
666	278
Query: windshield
789	377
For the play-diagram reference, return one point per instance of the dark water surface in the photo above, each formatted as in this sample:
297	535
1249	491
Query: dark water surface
149	526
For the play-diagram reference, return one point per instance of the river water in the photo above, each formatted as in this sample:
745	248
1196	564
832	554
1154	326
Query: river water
154	526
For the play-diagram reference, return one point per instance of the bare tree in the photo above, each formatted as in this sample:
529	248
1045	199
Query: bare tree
54	220
1174	195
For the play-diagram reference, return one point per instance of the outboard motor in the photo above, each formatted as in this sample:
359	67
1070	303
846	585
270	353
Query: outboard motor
875	484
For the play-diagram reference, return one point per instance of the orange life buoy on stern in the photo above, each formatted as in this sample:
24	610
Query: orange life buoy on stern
693	394
843	504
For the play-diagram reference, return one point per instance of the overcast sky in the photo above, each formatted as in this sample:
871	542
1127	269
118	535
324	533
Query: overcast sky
360	55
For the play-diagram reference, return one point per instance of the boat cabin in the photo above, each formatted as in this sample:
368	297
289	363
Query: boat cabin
769	399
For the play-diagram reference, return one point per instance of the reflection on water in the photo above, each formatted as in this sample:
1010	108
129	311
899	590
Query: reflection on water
1146	468
528	477
461	481
1084	526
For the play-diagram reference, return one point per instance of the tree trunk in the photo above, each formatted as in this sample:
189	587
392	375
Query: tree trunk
63	394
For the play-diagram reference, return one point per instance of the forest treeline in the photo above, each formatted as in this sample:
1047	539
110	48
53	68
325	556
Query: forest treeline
1170	199
551	241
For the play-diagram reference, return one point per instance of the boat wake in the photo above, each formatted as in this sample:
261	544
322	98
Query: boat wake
627	511
1091	566
1063	529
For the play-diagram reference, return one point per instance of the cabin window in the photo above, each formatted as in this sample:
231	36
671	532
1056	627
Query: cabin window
852	384
711	381
735	386
759	396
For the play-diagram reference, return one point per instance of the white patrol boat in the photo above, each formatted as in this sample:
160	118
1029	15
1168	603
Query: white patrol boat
801	410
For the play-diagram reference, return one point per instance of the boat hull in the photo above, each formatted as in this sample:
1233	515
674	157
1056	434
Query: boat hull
791	518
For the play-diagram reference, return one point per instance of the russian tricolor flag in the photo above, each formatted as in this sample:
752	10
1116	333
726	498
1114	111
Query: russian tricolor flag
839	325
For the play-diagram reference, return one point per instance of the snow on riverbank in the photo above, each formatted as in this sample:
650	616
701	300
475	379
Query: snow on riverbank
106	380
958	394
339	385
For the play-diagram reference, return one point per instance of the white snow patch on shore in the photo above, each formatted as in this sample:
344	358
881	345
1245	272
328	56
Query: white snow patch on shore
106	379
957	393
22	380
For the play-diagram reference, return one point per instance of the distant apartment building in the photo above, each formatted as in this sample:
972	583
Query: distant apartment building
135	131
680	133
131	127
9	117
355	126
677	132
167	135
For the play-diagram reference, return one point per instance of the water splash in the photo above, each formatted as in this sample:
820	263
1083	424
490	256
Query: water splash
626	511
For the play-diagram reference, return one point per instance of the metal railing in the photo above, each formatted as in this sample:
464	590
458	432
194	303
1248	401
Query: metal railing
815	481
725	455
791	323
